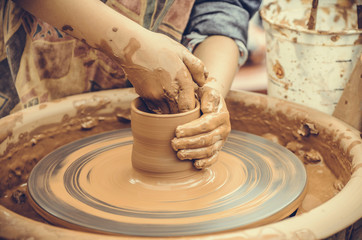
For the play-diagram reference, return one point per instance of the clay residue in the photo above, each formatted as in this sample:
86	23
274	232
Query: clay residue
54	61
296	22
278	69
123	115
18	159
9	121
335	38
104	46
16	199
358	40
89	122
310	141
165	96
67	28
42	106
322	186
306	129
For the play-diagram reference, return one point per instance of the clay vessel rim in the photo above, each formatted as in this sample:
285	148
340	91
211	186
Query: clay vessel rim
155	115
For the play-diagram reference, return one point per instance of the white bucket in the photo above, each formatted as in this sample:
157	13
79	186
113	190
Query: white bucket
311	67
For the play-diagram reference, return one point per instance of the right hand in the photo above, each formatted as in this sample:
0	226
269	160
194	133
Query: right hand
202	139
164	73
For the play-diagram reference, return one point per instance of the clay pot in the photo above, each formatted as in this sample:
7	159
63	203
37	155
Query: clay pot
152	152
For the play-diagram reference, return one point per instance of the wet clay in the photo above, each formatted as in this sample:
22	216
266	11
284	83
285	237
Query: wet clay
36	144
164	91
152	151
290	132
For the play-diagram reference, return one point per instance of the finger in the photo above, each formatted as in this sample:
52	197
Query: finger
173	106
200	153
196	68
171	102
210	101
207	162
157	106
186	92
203	140
205	123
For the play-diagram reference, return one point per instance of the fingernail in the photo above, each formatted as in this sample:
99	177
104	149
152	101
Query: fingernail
174	144
180	155
179	133
199	164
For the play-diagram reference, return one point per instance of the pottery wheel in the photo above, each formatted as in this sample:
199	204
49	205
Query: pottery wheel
90	185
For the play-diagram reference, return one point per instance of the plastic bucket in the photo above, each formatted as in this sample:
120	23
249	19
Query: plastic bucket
311	67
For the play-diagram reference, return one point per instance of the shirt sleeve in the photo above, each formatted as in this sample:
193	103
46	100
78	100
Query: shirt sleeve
228	18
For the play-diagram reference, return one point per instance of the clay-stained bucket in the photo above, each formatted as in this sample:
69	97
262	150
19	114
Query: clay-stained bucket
311	67
152	134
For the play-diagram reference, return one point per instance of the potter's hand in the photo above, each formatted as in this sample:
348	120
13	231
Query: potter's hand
202	139
164	73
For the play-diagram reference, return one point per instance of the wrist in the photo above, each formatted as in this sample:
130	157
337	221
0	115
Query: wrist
219	86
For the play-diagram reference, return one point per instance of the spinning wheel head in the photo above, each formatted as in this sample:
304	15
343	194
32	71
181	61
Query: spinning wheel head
91	185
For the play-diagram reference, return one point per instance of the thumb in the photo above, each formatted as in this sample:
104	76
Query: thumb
196	68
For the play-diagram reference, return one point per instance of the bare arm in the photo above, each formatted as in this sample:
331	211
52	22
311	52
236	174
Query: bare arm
89	20
162	71
220	55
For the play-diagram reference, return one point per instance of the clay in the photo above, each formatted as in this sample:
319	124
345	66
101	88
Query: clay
278	69
34	145
169	93
152	151
259	121
23	208
318	174
67	28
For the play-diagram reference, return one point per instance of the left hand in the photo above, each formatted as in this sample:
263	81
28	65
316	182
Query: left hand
163	72
202	139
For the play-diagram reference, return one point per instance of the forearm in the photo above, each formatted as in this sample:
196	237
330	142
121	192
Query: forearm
88	20
220	55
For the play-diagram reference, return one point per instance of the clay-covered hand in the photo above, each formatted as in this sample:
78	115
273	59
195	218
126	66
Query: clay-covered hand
164	73
202	139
